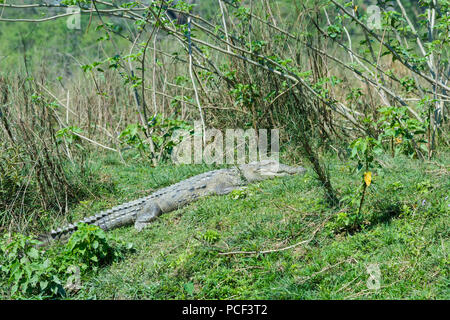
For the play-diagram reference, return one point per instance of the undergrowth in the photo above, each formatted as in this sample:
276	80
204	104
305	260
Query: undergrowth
29	271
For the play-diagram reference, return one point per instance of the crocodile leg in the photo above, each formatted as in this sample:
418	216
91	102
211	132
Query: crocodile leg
226	190
148	213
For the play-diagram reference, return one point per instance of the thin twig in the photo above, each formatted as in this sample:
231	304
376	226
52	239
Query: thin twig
280	249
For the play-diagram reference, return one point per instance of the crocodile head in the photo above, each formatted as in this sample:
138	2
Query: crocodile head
266	169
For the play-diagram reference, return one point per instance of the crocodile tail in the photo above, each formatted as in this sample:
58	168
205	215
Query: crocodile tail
63	234
44	240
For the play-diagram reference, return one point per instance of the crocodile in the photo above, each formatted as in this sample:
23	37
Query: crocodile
143	211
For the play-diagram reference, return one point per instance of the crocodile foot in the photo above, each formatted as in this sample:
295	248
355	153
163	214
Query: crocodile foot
148	213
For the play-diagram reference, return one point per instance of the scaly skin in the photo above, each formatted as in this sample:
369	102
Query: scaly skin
143	211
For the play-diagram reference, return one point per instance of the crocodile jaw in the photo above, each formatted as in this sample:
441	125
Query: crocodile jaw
266	169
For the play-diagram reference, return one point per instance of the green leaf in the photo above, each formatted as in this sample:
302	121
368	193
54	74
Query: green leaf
189	287
43	284
33	253
14	289
354	152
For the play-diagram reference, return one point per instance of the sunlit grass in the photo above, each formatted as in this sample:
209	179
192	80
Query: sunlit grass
406	239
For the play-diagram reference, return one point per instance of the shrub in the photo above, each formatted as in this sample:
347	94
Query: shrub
30	271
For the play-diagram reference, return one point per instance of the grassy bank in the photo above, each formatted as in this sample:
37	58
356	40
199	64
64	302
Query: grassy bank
404	234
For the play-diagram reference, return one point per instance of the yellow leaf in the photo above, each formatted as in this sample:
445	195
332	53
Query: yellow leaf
368	178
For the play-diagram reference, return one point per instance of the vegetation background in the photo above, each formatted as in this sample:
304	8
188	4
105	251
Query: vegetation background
358	89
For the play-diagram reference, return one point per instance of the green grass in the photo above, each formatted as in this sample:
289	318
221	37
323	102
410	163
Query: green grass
178	257
405	233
